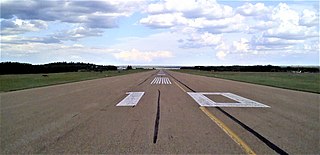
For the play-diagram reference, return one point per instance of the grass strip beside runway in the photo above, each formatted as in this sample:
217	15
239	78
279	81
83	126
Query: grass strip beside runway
25	81
308	82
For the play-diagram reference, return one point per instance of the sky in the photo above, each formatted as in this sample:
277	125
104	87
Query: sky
161	32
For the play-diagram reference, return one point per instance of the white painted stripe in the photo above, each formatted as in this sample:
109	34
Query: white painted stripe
132	99
206	102
155	80
161	80
152	82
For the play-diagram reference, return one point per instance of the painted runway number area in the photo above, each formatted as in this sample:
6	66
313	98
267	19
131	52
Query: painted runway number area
202	100
132	99
161	80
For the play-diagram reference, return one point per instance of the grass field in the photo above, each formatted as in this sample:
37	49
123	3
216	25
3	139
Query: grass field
309	82
24	81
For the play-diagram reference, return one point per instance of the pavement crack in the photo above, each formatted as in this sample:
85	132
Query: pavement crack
156	125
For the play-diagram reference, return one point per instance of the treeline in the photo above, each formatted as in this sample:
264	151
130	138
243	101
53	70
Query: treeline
258	68
57	67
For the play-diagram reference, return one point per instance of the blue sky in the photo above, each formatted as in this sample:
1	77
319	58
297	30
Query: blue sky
161	32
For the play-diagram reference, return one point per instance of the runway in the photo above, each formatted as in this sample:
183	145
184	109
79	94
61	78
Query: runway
160	112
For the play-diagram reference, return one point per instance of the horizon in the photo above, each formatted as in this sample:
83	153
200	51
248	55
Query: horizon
125	65
161	32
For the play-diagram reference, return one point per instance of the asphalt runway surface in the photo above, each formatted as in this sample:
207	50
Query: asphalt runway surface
83	117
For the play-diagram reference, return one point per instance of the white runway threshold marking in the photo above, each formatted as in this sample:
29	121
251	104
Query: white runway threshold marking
206	102
161	80
132	99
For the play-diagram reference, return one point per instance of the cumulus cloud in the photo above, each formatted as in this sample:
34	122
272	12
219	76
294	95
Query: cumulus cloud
166	20
309	18
90	18
14	39
278	26
225	25
78	33
272	43
94	14
221	54
18	26
239	47
288	25
198	40
192	9
201	14
258	9
135	55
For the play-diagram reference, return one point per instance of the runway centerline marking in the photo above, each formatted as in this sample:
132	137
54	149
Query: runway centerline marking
206	102
229	132
132	99
161	80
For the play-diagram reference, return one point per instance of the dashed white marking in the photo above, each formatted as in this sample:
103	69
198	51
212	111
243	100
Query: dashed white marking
153	80
169	82
161	80
206	102
132	99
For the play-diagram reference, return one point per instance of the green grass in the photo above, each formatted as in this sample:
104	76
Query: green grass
309	82
25	81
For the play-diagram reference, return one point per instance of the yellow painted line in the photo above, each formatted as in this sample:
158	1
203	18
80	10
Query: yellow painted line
179	86
228	131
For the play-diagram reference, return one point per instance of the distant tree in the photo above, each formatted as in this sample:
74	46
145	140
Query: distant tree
129	67
56	67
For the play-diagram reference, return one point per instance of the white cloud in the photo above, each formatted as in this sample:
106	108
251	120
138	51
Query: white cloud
15	39
18	26
198	40
201	14
164	20
260	26
283	13
309	18
241	46
225	25
135	55
249	9
78	33
221	55
191	8
287	24
94	14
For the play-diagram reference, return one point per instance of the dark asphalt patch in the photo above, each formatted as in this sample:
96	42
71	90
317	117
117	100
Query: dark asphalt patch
156	125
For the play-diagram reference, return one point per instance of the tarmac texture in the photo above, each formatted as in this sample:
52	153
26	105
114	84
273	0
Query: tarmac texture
82	117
